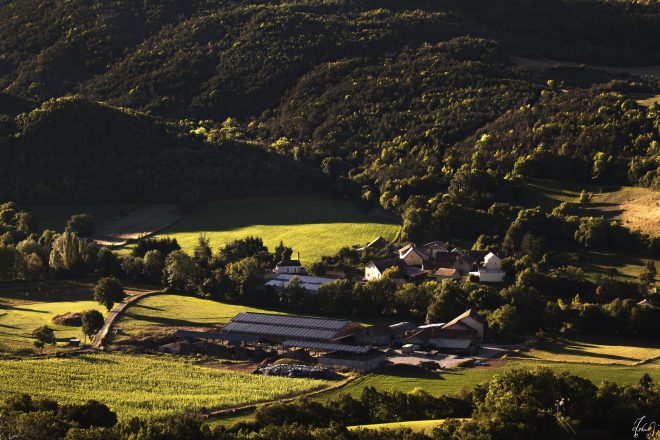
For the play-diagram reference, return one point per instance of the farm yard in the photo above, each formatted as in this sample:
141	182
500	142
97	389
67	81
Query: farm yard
143	386
312	225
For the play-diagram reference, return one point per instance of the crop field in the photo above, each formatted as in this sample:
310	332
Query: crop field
611	351
313	226
415	426
180	310
143	386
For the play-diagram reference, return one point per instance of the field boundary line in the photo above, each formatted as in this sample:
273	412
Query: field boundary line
101	335
315	393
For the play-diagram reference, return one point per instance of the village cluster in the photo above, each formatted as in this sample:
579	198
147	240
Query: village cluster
412	262
341	343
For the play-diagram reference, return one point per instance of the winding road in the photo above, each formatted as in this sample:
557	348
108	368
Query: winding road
100	336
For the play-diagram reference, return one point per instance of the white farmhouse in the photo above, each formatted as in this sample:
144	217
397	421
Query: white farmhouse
289	266
491	271
492	262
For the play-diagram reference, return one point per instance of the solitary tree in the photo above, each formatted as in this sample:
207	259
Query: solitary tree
109	291
43	335
92	321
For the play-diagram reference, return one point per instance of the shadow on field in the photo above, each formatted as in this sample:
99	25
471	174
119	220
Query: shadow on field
281	211
165	321
21	309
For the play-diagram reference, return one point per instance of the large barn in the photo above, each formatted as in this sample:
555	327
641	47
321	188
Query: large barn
280	328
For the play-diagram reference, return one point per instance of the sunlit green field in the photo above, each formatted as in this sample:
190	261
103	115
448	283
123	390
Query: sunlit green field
454	380
311	225
17	321
415	426
143	386
610	350
179	310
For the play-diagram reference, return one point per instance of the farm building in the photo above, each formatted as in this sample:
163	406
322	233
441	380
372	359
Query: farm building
414	256
289	266
401	329
491	271
354	357
378	334
461	334
444	273
377	243
279	328
375	268
434	247
215	343
311	284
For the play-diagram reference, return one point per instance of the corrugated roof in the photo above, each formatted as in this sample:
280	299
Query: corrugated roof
216	336
282	331
327	347
290	320
288	263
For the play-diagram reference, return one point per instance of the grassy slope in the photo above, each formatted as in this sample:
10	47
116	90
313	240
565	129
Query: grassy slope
25	306
179	310
18	321
145	386
311	225
633	207
452	381
611	350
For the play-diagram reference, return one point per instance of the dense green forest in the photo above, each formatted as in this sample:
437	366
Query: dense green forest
132	101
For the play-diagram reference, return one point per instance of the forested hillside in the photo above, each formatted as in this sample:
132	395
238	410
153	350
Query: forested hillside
380	101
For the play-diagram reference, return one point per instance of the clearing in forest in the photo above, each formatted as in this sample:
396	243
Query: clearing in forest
634	207
312	225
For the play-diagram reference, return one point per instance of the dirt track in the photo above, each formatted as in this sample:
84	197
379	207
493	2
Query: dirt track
141	222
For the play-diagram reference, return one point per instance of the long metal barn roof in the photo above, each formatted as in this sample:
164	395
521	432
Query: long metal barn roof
326	346
289	326
290	320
